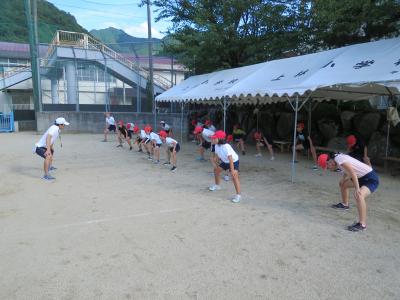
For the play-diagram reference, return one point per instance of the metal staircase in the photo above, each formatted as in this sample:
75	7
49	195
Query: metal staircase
84	41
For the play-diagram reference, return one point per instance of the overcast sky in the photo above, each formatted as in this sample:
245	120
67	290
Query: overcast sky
121	14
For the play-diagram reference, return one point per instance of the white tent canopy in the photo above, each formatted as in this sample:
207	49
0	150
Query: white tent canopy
352	73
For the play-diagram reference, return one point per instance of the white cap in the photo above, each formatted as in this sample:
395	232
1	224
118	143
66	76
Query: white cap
61	121
162	122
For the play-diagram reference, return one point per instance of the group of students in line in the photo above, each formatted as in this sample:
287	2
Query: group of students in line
355	165
146	139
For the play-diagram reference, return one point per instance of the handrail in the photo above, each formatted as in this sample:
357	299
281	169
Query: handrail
85	41
14	71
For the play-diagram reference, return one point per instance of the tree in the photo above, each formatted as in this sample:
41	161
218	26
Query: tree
207	35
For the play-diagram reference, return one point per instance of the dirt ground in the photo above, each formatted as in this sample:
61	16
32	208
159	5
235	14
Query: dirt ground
115	226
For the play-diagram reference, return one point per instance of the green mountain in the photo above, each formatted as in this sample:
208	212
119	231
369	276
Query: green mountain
122	42
13	27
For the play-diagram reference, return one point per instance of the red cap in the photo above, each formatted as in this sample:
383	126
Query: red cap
148	129
300	125
322	160
136	129
194	122
257	135
219	134
128	126
229	138
208	122
198	129
120	122
351	140
162	133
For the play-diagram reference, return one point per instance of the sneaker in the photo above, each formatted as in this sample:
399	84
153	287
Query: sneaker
149	158
140	150
130	148
104	140
166	163
236	198
156	162
214	187
244	152
340	206
119	146
200	159
357	227
48	177
226	178
173	169
315	168
272	158
51	168
258	155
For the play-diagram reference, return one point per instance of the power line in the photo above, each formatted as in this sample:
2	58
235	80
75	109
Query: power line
98	10
112	4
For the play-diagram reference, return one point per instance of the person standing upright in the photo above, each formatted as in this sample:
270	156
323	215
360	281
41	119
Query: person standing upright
110	125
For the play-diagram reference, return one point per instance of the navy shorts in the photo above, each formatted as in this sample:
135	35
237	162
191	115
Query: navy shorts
41	150
130	132
139	139
238	137
158	145
147	140
206	145
370	180
213	148
226	166
177	148
111	128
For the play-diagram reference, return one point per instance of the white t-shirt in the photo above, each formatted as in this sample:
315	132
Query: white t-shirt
166	126
212	128
54	131
110	120
225	150
131	126
359	168
143	134
206	134
170	142
155	137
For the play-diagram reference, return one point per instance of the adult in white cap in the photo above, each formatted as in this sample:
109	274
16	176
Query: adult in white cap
45	149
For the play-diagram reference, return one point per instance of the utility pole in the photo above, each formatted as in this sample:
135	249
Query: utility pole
151	79
31	19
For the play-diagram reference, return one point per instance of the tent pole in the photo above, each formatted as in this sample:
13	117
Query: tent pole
294	139
387	139
309	116
224	113
182	107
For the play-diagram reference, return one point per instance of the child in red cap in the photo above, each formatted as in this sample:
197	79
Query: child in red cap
124	135
357	149
239	135
229	161
205	135
263	140
304	142
173	148
361	177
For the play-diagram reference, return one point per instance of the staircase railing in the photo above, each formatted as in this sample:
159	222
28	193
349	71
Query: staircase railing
85	41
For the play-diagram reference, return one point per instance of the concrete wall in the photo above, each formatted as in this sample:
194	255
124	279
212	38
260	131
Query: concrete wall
94	122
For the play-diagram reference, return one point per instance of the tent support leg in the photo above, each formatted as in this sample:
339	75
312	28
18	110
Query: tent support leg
387	139
182	108
224	107
296	109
